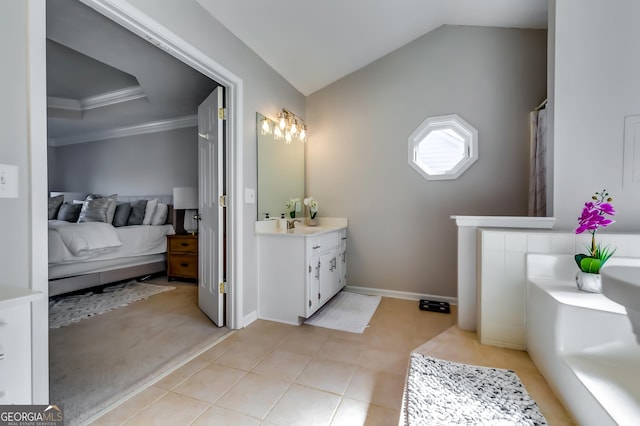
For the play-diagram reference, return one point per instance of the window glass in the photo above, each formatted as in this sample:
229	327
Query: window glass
443	147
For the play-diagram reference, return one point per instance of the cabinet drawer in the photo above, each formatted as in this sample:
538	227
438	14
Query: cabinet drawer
323	242
183	265
182	244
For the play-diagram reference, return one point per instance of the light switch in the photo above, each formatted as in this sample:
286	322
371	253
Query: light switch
8	181
249	195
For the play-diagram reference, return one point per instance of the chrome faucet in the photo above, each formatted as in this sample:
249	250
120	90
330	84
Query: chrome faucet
291	223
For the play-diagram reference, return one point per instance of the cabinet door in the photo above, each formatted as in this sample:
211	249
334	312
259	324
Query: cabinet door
329	277
342	259
313	286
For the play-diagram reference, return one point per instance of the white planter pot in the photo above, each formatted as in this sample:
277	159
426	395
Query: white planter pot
589	282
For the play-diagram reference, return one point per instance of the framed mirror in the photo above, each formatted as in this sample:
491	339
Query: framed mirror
280	171
443	147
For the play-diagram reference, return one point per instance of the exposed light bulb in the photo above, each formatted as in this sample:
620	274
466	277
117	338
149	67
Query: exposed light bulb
294	127
266	127
283	121
277	133
303	134
287	136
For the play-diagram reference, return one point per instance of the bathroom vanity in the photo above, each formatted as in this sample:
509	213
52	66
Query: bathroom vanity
299	269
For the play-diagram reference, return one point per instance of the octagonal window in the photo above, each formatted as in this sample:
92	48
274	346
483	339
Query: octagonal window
443	147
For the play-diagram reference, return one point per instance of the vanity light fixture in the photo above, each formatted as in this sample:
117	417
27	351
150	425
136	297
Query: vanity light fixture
289	127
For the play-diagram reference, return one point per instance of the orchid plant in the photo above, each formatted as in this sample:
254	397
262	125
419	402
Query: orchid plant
291	206
313	206
595	214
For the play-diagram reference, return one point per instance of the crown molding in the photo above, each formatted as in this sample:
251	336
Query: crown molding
111	98
64	103
120	132
98	101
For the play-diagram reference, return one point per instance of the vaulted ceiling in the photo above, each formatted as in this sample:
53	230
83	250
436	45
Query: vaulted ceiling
314	43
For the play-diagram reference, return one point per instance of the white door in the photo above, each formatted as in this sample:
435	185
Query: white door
211	247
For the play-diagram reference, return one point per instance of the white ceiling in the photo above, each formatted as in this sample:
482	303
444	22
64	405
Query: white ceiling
314	43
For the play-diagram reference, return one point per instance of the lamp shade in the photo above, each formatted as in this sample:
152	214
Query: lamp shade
185	197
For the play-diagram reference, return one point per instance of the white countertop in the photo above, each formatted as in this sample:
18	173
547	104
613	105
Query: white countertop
11	296
278	227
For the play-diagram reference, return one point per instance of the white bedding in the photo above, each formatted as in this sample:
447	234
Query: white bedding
86	239
75	242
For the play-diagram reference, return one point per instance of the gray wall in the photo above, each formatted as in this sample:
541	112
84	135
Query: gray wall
596	86
149	164
14	146
400	234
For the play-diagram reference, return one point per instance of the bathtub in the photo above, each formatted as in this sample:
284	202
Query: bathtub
582	343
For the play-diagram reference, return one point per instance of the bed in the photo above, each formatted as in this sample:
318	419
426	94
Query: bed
95	253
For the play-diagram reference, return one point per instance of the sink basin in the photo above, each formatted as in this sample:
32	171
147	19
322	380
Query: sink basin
622	285
305	230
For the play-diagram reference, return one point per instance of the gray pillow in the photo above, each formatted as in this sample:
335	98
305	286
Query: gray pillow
121	215
69	212
95	210
137	212
54	206
112	207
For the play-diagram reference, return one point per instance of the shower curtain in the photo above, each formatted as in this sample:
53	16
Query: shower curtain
538	162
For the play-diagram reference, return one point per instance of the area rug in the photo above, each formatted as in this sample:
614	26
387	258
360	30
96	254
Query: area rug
65	310
347	312
440	392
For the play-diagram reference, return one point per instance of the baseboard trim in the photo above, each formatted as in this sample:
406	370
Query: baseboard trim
249	318
400	294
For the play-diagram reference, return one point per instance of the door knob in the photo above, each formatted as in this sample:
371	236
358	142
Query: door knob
197	216
204	135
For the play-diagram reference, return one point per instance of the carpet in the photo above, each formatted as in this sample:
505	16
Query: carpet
441	392
65	310
347	312
95	362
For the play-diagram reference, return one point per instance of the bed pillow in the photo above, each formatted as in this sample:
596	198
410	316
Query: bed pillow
95	210
121	214
54	206
149	211
69	212
137	212
160	215
111	211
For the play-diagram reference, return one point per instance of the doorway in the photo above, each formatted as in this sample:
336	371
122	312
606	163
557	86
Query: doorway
140	24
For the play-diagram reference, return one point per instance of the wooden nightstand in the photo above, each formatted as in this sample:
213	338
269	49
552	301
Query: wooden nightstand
182	256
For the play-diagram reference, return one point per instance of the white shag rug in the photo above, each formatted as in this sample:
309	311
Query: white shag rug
347	312
65	310
442	393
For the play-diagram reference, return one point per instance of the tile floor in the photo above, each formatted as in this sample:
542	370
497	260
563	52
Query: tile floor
276	374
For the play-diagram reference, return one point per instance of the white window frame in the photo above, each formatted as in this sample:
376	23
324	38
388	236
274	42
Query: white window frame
451	122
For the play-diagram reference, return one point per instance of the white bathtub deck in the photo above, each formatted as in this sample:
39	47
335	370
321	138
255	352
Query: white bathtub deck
610	372
582	343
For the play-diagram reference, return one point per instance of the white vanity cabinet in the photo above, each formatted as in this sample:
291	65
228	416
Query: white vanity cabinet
299	272
15	345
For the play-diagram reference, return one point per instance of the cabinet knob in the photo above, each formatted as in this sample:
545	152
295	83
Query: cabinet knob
184	265
184	244
316	247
